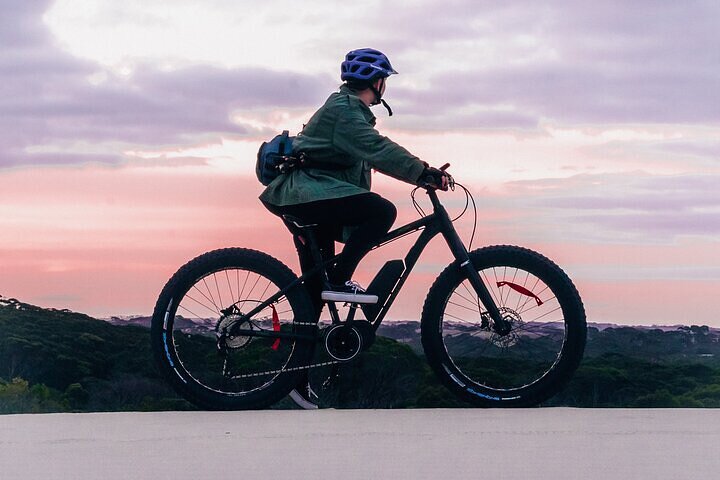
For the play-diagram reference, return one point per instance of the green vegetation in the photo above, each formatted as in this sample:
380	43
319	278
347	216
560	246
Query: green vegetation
57	361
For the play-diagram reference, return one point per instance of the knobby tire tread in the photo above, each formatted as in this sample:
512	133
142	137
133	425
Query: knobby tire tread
259	262
572	351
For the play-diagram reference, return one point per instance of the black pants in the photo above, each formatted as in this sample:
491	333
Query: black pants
372	216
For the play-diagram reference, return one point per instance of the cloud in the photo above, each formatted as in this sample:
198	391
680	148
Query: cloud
20	24
709	149
465	65
49	98
635	208
583	94
579	62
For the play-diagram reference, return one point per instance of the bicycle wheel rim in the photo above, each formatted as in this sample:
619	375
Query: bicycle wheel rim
242	365
513	362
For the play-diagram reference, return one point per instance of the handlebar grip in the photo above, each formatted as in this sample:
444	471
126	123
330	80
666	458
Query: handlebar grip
431	182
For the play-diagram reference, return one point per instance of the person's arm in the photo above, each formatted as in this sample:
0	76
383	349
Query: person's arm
356	137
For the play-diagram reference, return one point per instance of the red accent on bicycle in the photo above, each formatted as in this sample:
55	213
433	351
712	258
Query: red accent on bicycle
276	327
521	289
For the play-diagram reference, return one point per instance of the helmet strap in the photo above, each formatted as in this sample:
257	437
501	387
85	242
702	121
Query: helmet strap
387	106
379	100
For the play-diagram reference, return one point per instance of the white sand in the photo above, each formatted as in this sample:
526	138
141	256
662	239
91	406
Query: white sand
368	444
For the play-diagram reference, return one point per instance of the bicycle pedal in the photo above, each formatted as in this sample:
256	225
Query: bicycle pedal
352	298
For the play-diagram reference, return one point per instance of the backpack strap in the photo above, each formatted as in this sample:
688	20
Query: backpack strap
284	141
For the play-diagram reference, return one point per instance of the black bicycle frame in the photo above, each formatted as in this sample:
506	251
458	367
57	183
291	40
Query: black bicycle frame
437	222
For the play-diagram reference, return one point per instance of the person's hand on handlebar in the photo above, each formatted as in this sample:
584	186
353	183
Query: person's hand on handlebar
435	178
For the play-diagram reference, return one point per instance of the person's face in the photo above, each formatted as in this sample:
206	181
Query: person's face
380	86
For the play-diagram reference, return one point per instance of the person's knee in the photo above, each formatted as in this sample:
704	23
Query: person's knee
389	213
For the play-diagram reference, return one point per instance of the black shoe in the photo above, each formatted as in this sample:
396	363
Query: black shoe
351	292
304	397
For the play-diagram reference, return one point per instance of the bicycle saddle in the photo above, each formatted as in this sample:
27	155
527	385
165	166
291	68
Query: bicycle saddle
298	222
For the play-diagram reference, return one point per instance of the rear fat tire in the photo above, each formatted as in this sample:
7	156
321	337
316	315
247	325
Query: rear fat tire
163	343
570	350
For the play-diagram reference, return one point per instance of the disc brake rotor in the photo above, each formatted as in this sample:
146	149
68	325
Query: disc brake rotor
514	322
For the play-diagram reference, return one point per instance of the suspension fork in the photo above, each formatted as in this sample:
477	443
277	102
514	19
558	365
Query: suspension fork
457	247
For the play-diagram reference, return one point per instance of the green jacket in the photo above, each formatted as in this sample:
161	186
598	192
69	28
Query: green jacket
341	133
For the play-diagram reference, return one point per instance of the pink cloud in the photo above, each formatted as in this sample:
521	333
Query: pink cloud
104	241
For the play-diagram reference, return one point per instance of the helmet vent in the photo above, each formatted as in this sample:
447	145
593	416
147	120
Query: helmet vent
365	65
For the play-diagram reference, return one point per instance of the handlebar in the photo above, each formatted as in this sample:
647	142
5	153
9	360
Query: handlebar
430	180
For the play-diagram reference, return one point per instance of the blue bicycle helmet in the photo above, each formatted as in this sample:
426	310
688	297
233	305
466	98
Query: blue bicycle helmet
365	65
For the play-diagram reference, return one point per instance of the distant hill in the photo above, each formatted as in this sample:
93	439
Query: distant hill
655	343
75	362
58	360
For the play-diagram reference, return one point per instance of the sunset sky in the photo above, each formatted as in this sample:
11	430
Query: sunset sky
589	131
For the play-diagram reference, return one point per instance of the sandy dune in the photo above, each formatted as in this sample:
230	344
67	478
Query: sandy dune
369	444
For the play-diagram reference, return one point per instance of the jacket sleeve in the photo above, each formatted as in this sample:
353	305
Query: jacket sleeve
355	136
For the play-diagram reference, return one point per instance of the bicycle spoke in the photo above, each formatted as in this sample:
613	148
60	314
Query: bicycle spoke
211	298
547	313
217	287
464	307
530	300
472	294
471	302
227	277
253	287
242	292
489	285
239	365
189	311
505	360
453	316
200	303
524	284
504	302
262	295
214	308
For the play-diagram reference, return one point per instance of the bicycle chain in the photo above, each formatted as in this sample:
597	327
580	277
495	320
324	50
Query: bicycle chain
283	370
291	369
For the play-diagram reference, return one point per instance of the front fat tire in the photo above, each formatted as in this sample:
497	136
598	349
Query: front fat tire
481	394
162	329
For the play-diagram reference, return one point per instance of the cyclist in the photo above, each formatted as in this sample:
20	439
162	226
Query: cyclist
333	190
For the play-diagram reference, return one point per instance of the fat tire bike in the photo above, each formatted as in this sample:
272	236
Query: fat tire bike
502	326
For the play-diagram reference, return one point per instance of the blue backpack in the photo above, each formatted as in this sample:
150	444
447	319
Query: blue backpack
275	157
